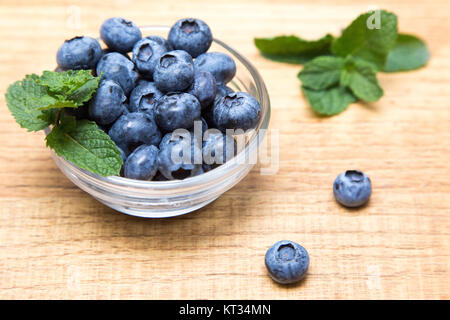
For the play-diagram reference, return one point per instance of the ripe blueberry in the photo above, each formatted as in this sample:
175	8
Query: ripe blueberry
142	164
203	88
180	156
120	34
108	103
352	188
161	41
79	53
134	129
287	262
236	111
144	97
117	67
190	35
174	71
219	64
177	110
146	54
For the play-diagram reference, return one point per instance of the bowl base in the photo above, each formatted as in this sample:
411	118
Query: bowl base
151	213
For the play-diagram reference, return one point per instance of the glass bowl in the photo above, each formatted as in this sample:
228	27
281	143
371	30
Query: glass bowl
162	199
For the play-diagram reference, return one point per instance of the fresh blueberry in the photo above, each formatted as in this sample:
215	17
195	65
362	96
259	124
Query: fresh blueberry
199	128
174	71
108	103
191	35
203	88
236	111
161	41
120	34
219	64
287	262
180	156
221	91
144	97
134	129
142	164
79	53
218	148
352	188
177	110
146	54
119	69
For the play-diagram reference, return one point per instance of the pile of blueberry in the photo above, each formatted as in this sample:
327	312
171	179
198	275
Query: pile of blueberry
165	86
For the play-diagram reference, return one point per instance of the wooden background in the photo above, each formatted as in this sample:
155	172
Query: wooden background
58	242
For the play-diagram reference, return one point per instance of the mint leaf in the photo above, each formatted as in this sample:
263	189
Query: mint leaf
24	99
70	88
86	146
322	72
368	40
361	78
329	101
292	49
409	53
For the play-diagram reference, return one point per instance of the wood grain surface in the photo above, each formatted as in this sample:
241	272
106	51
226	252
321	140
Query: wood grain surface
58	242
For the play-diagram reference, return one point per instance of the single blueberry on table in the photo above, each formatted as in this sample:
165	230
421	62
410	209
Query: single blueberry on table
218	148
190	35
203	88
120	34
236	111
180	156
79	53
177	110
287	262
134	129
219	64
142	164
352	188
108	103
146	54
174	71
144	97
118	68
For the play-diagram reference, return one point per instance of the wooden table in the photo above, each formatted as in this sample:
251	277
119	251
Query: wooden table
58	242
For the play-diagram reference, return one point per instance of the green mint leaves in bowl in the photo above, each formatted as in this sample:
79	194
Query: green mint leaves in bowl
38	102
340	71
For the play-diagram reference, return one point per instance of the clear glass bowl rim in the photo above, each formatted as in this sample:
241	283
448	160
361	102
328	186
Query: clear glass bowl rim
210	176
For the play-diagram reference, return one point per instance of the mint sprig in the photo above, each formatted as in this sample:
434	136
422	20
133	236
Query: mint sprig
339	71
39	102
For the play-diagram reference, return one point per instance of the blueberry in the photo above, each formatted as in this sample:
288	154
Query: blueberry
287	262
146	54
134	129
203	88
79	53
352	188
144	97
218	148
190	35
179	156
177	110
161	41
120	34
174	71
142	164
236	111
108	103
221	91
219	64
118	68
